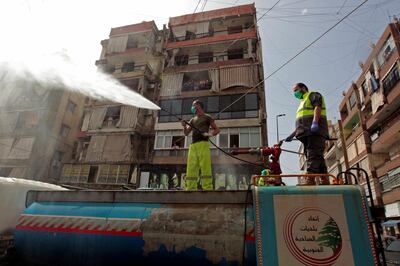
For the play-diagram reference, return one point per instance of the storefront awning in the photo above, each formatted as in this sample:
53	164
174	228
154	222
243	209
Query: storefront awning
391	223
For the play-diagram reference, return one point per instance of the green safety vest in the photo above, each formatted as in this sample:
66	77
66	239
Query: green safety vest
306	109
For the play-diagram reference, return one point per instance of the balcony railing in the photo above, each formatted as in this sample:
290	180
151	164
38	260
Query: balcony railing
191	36
197	39
386	125
388	183
196	85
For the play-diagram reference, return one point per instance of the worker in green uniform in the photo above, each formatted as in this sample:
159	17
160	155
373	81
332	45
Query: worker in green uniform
311	130
199	157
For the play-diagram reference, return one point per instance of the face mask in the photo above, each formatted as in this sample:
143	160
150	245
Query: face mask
298	94
193	110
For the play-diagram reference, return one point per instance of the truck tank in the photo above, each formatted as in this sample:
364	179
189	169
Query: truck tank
137	228
13	195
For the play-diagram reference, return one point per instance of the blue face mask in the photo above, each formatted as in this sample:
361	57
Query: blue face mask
298	94
193	110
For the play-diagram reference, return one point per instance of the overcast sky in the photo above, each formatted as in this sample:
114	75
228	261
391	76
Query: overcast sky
30	28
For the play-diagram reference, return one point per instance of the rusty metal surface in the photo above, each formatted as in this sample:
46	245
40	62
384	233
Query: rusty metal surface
165	228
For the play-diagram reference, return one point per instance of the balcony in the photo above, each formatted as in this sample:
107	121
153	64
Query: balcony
388	134
207	66
133	71
352	126
208	38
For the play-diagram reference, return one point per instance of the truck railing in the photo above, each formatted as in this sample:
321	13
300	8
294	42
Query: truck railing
271	179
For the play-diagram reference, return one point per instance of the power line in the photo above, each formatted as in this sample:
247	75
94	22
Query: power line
344	2
204	5
198	3
296	55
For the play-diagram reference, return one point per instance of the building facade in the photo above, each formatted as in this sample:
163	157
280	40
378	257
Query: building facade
115	140
370	114
38	128
213	56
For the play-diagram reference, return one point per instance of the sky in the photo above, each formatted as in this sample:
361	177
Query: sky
33	28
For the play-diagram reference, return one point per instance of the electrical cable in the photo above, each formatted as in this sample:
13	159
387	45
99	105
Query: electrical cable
296	55
198	3
270	75
254	24
215	145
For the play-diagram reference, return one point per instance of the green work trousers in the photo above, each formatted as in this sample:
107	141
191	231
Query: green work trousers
199	166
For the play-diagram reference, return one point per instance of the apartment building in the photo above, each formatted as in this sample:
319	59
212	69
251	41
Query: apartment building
115	140
334	156
214	56
38	126
370	115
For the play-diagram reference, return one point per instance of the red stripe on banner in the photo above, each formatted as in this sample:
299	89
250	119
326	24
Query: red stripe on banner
79	231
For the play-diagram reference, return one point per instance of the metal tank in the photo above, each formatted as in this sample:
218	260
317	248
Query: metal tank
137	228
13	194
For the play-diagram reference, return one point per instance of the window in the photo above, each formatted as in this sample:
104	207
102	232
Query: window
352	99
235	54
167	139
132	42
190	35
344	113
235	29
195	81
243	137
5	171
56	163
112	116
178	141
391	80
112	174
132	84
233	138
205	57
223	138
246	107
27	119
64	132
128	67
386	51
364	88
71	106
181	60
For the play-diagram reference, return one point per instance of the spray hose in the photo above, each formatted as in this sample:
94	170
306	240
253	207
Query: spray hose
215	145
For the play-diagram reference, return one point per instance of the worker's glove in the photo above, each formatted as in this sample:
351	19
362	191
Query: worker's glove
314	127
206	134
183	122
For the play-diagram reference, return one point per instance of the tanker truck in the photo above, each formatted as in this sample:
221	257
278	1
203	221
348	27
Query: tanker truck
264	225
269	224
